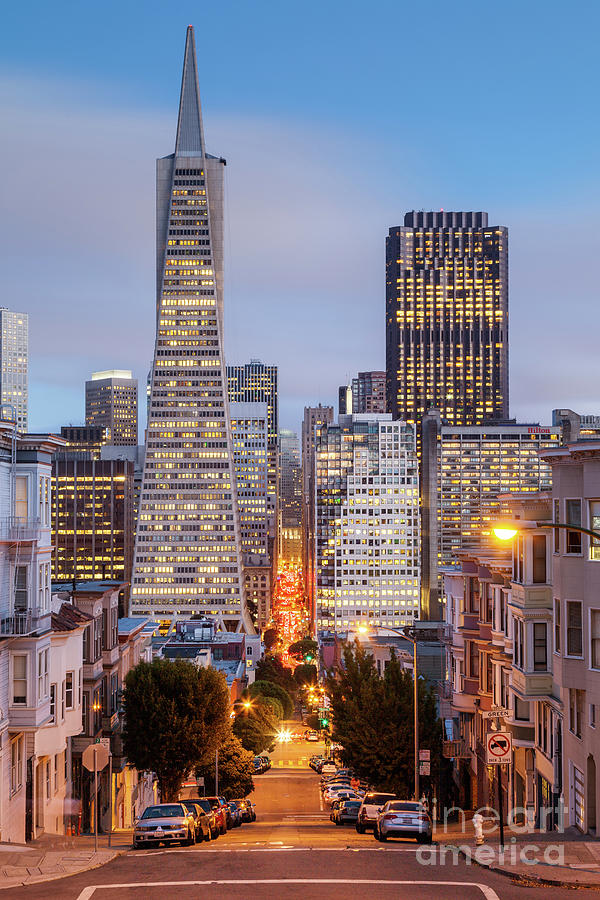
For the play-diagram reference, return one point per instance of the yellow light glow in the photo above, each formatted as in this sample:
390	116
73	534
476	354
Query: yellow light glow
505	534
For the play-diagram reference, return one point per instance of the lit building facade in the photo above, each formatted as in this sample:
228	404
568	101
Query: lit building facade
188	556
290	496
464	470
447	317
92	518
368	392
249	428
367	523
314	418
111	401
14	364
88	439
255	382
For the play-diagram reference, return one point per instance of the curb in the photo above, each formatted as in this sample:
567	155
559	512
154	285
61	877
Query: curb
57	877
526	879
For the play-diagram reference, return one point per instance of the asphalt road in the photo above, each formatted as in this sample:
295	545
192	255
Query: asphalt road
291	851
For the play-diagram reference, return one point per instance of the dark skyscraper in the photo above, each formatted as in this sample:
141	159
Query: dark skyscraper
447	317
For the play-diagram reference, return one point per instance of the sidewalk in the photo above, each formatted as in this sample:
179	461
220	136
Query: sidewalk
54	856
568	858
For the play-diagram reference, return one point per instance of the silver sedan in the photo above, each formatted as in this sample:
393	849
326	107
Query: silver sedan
164	823
403	818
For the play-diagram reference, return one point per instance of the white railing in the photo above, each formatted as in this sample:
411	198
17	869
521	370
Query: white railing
23	623
15	529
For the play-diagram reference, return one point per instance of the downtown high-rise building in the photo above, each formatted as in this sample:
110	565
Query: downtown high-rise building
314	418
249	429
367	523
14	363
255	382
188	556
290	496
92	517
447	318
111	400
465	473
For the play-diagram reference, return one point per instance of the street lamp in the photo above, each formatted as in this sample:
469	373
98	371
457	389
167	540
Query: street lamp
506	531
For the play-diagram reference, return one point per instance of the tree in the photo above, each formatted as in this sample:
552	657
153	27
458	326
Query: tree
272	669
256	727
305	673
176	715
373	720
235	770
305	650
270	638
262	688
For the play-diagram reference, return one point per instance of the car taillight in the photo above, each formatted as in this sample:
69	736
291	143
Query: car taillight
389	816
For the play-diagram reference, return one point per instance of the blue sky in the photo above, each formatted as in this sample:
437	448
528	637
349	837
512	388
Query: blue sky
335	119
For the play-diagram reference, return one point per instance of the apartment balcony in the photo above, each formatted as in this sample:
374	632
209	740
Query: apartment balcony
464	700
25	623
532	685
110	723
110	657
14	529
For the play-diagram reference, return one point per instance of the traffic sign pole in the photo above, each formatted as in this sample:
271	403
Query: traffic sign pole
110	799
500	808
95	801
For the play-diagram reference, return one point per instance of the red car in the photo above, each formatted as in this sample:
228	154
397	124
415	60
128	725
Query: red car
220	807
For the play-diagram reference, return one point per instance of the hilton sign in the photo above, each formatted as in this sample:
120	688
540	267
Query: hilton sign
538	430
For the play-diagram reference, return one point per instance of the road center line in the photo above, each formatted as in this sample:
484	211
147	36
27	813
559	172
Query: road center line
88	892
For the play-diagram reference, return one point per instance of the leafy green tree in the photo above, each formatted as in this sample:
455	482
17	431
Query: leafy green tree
305	673
256	727
272	669
176	715
305	650
262	688
235	770
274	704
373	720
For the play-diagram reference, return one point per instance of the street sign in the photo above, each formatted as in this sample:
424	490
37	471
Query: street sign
104	741
425	768
95	753
424	755
499	713
498	747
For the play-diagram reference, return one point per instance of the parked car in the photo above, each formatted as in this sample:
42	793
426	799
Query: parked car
259	765
221	809
211	814
311	735
315	762
369	809
236	814
203	829
266	762
164	823
247	810
346	811
328	768
228	813
330	796
403	818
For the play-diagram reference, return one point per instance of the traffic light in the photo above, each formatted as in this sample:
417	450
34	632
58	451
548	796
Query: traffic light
309	657
324	723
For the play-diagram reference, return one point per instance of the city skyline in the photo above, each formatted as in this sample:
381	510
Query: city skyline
515	160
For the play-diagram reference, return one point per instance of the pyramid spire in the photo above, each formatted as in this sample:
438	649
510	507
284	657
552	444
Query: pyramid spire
190	135
188	551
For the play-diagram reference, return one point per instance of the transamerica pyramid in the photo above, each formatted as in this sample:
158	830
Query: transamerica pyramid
187	556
